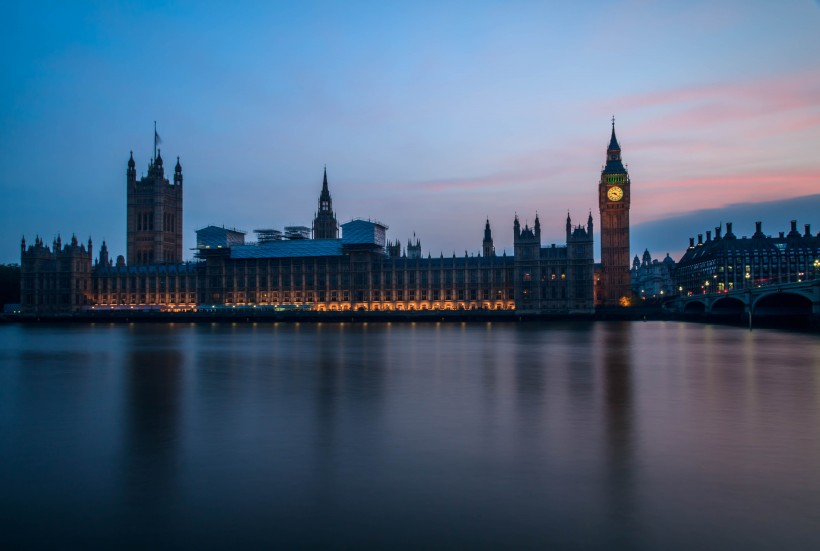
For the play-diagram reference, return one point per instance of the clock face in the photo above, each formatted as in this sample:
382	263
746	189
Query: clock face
615	193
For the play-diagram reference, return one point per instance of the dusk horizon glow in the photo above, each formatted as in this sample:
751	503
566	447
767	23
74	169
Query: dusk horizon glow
430	119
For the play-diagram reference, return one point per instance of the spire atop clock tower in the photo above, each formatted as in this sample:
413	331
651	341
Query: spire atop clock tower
614	165
613	141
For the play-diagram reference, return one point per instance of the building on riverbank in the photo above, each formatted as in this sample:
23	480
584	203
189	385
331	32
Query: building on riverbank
359	271
725	263
653	279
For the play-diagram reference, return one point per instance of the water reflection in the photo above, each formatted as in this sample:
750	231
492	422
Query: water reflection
615	354
580	435
153	409
153	386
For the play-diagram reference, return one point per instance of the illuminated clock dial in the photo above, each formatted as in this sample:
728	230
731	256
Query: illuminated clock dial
615	193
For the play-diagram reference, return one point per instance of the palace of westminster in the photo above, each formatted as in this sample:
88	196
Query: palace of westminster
317	269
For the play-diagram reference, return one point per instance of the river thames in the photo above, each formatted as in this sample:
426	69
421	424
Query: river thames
588	435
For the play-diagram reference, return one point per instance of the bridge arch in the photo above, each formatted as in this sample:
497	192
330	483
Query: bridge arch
782	304
728	305
694	307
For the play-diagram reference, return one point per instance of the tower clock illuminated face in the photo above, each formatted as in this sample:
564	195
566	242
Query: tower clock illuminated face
615	193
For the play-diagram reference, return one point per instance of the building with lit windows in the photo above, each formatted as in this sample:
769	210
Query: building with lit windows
723	263
357	271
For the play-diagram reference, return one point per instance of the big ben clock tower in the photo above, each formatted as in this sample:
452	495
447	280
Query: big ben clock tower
613	200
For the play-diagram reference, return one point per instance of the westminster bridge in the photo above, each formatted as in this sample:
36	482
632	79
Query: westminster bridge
797	299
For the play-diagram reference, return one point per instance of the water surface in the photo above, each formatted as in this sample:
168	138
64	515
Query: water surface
488	435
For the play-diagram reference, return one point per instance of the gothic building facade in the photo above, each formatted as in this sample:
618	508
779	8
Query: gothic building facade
359	270
553	279
154	214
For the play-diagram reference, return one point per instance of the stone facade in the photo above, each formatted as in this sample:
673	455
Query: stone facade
154	218
553	279
56	279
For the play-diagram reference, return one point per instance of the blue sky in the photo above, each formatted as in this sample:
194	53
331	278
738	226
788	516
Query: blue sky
430	116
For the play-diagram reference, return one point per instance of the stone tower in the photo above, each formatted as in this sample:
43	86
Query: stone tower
614	200
527	248
154	216
325	225
414	248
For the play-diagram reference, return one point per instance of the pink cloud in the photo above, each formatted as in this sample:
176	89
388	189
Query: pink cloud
793	90
789	126
653	200
777	99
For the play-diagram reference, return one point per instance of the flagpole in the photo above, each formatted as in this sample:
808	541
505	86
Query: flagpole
155	139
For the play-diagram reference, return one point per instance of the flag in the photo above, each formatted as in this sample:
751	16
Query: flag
157	139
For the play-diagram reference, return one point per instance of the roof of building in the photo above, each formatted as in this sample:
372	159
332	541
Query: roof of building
729	244
615	166
212	237
289	248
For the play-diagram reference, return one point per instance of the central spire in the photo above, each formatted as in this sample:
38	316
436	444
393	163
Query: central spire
325	225
613	141
325	202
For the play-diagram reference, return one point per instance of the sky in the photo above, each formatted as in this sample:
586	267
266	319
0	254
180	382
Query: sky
431	116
